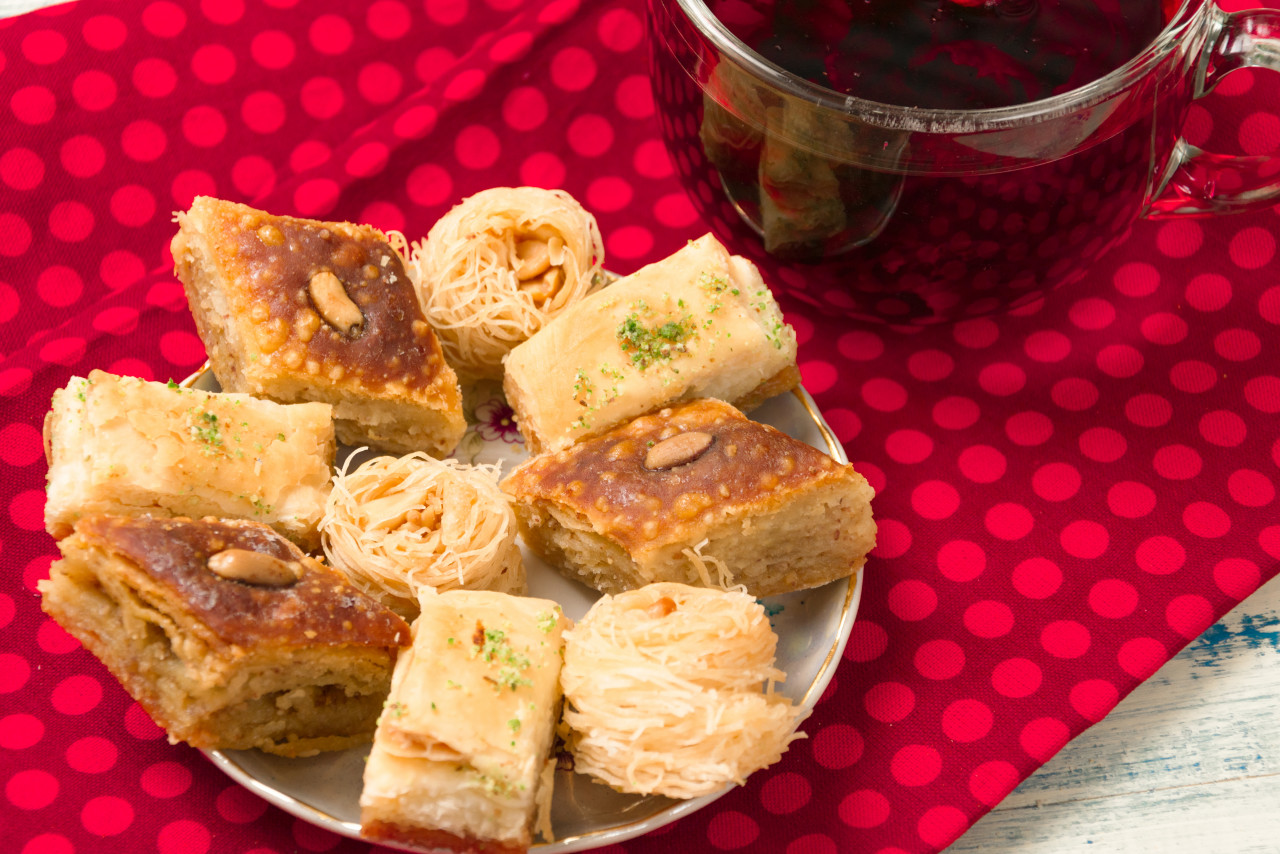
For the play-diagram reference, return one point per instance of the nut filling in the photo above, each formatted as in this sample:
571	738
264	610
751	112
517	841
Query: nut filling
254	568
537	267
681	449
533	258
335	306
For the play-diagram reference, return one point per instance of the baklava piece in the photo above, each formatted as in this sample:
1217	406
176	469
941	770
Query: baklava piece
226	633
296	309
700	323
126	446
699	494
461	760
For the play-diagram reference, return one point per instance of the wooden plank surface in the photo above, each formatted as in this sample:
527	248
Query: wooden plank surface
1189	763
17	7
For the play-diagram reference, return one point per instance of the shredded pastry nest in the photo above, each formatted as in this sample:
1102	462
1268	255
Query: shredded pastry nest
669	690
473	272
396	526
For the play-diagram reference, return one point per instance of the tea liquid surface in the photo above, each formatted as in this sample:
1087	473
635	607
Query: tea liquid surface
946	54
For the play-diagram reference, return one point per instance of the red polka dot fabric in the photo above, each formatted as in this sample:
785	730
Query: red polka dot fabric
1067	494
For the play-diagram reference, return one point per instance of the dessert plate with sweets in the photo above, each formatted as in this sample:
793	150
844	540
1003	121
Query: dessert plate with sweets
626	594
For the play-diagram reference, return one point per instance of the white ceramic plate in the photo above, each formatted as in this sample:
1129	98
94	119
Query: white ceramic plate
812	627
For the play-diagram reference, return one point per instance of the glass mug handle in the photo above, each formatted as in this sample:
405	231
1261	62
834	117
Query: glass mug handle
1199	182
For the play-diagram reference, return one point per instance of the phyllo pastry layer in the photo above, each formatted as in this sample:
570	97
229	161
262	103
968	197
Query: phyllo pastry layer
700	323
695	493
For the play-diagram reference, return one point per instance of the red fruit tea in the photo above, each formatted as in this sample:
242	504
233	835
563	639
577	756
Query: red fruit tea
908	223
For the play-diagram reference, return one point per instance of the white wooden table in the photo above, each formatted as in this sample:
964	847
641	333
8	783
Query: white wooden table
17	7
1187	764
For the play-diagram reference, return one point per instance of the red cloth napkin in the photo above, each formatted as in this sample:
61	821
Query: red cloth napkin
1067	495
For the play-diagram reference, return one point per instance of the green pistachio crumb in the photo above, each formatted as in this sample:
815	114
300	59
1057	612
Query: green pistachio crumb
646	344
493	646
206	429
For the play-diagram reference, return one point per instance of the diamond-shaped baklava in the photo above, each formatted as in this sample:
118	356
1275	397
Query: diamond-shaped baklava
699	494
297	309
226	633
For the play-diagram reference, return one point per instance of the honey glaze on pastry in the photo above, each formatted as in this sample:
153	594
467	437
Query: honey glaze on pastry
226	633
669	691
699	494
296	309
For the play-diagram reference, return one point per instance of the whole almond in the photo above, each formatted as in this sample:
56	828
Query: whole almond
533	258
681	449
545	286
255	568
335	306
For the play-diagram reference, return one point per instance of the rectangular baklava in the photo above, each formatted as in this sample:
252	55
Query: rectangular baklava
699	494
700	323
126	446
461	759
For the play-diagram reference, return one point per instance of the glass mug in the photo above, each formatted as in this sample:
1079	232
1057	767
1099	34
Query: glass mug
915	216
